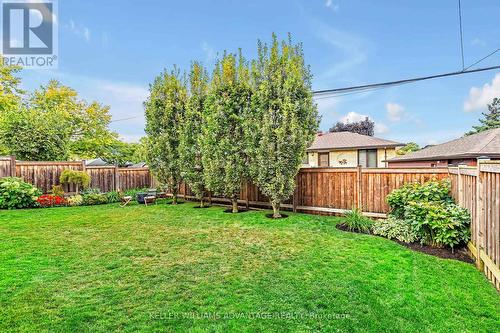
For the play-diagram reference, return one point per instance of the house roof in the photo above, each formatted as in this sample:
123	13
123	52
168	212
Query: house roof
349	140
96	162
486	143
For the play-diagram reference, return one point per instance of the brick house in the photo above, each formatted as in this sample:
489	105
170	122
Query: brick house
465	150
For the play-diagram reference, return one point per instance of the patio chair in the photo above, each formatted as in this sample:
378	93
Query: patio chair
150	198
125	200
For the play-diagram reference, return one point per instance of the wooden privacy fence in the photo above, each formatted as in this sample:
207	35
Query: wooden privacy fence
335	190
44	175
322	190
478	190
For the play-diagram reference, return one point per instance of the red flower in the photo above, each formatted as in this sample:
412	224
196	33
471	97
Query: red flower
49	200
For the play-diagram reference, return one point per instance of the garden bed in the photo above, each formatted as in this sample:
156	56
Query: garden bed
461	254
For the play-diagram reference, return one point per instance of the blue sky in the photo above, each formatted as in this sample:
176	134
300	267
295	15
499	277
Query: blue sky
110	51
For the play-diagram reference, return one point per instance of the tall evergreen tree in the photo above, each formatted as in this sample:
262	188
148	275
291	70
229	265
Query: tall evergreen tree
223	143
284	119
491	118
190	144
164	109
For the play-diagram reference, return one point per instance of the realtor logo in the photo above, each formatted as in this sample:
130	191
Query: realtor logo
29	33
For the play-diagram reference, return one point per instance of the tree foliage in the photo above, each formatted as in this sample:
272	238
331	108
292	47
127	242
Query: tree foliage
283	121
223	140
164	109
53	123
364	127
123	153
491	119
408	148
190	146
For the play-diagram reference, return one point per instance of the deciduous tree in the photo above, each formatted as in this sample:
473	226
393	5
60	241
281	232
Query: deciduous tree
190	142
283	121
164	109
223	142
364	127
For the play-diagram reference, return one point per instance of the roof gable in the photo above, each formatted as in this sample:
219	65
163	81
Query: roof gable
349	140
484	143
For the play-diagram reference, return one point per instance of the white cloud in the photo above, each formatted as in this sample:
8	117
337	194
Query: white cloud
479	98
478	42
350	47
395	111
79	30
380	128
330	4
353	117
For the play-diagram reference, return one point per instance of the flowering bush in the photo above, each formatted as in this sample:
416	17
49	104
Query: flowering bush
50	200
76	200
15	193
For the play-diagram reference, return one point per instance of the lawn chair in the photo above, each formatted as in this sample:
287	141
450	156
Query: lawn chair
150	198
125	200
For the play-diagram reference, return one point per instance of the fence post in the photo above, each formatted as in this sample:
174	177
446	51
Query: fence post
480	217
117	179
295	193
12	166
359	187
247	192
459	184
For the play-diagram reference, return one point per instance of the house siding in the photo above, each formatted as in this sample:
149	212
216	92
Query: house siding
349	158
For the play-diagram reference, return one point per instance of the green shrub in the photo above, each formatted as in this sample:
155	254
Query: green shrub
76	200
78	178
134	191
91	190
57	190
113	196
439	223
355	221
94	199
15	193
396	228
432	191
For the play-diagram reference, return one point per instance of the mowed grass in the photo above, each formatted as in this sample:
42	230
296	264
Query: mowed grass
176	268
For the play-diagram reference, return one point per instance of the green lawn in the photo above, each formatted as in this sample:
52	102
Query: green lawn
176	268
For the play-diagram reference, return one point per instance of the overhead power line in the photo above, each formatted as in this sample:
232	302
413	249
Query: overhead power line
362	88
329	93
461	33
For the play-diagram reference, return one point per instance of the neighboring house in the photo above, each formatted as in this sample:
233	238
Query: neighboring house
346	149
465	150
138	165
96	162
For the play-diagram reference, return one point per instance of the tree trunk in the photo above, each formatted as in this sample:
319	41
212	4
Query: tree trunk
174	197
202	203
276	210
234	201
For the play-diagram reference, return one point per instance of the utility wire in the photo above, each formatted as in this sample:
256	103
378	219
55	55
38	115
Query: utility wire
398	82
461	33
122	119
489	55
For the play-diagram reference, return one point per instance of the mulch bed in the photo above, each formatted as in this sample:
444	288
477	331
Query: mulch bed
460	254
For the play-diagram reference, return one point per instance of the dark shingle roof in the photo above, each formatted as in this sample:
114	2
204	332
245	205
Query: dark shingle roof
348	140
486	143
